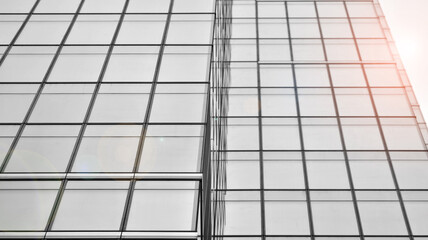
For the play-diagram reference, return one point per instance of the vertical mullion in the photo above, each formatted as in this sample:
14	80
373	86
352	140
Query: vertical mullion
146	122
299	119
260	126
21	28
394	177
87	115
339	124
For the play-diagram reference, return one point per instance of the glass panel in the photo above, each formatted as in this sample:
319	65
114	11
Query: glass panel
13	6
417	209
374	50
179	103
138	6
193	6
243	102
316	102
391	102
172	148
341	50
361	9
243	50
150	29
242	134
367	28
349	75
243	170
103	6
15	101
91	205
107	148
35	61
274	50
78	64
190	29
354	102
246	28
382	75
45	29
9	25
333	214
57	6
370	170
244	75
26	205
304	28
131	64
283	170
361	134
242	213
276	76
274	131
411	169
185	64
62	103
272	28
164	206
313	75
381	213
121	103
43	149
308	50
335	28
321	134
402	134
326	170
331	9
270	10
301	9
286	213
278	102
93	29
7	134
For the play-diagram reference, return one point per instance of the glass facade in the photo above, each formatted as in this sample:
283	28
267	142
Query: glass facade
207	119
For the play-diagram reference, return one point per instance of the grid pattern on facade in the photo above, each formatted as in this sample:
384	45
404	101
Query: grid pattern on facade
104	111
322	142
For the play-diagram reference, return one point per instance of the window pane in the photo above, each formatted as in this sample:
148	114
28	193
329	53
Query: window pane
347	75
242	213
341	50
381	213
331	9
272	28
417	209
138	6
164	206
327	170
107	149
308	50
193	6
367	28
391	102
402	134
9	25
43	149
185	64
131	64
274	50
361	9
374	50
57	6
304	28
91	205
246	28
316	102
242	134
269	10
286	213
275	130
335	28
243	50
411	169
15	101
382	75
26	205
276	76
35	61
172	148
121	103
312	75
361	134
278	102
45	29
103	6
179	103
190	29
78	64
142	29
283	170
243	170
7	134
62	103
243	102
333	213
297	9
354	102
93	29
244	75
13	6
370	170
321	134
